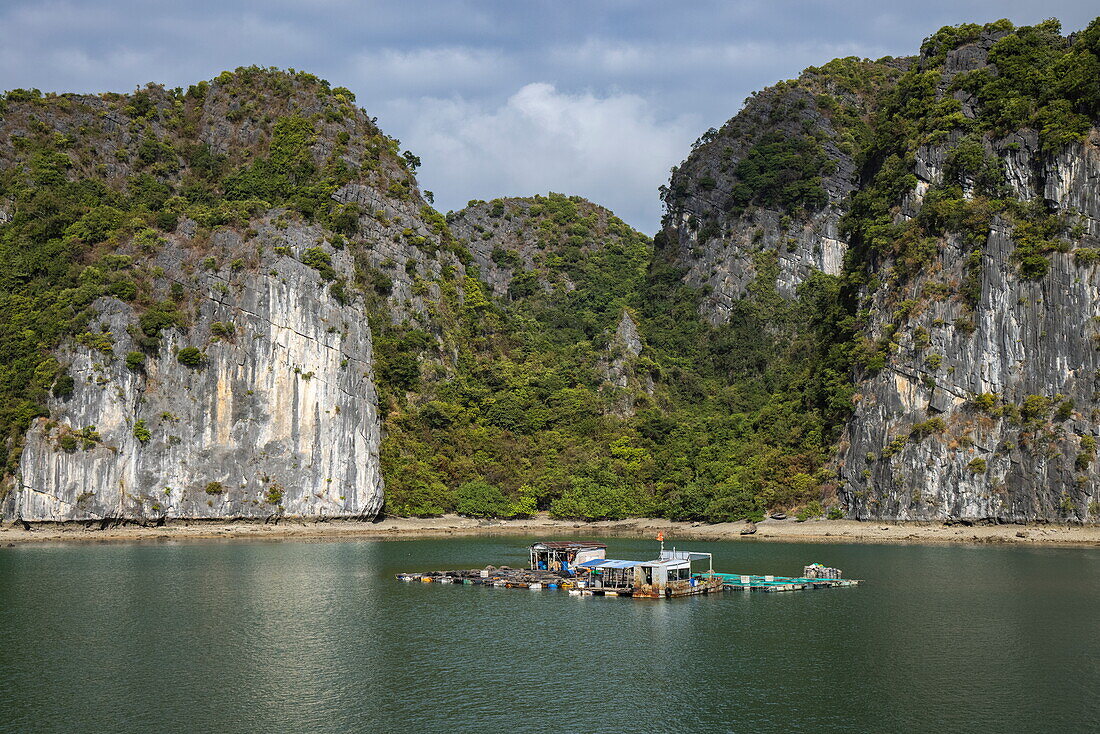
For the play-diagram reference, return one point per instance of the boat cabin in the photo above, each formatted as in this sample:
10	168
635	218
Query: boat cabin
564	555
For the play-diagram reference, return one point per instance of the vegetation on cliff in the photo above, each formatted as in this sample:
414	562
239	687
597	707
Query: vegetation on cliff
515	394
873	117
90	186
554	358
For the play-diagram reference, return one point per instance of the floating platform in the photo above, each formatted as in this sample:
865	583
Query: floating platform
747	582
511	578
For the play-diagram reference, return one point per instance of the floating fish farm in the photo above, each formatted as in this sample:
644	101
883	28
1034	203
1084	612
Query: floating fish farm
581	569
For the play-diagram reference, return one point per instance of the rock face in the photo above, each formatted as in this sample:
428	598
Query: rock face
275	411
280	417
715	236
875	288
984	405
206	345
1029	345
619	368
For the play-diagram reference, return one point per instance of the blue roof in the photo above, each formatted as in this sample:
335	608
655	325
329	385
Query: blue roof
606	563
590	564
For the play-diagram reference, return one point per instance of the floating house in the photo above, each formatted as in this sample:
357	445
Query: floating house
669	575
564	555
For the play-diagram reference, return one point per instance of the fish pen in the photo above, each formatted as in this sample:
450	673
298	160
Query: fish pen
748	582
581	569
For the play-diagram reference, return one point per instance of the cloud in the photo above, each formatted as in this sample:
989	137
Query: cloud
629	83
617	57
429	71
613	149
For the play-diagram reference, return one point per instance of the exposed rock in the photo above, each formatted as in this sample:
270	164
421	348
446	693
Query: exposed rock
280	417
276	413
717	248
1024	338
918	445
627	336
619	369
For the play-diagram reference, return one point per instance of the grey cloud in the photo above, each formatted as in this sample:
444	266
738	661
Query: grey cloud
470	64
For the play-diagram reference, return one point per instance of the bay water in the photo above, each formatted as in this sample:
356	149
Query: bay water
259	636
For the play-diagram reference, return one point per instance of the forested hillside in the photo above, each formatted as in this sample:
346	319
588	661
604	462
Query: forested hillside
944	203
874	294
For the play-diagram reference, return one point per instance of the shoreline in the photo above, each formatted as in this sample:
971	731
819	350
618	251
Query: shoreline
398	528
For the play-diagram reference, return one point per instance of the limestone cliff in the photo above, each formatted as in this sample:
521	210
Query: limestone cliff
219	361
722	210
1002	390
279	417
964	240
874	293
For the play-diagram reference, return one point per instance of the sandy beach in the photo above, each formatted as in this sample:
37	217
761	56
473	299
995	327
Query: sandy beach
396	528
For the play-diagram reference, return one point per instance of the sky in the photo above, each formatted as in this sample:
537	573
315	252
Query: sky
498	97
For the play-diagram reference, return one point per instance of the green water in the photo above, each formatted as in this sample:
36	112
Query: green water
319	637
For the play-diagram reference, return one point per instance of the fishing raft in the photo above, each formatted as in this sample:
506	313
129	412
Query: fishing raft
581	568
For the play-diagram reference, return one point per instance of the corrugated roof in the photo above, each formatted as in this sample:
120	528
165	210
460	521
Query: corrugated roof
567	544
590	564
612	564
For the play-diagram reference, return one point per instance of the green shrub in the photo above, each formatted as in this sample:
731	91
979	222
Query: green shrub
1086	255
135	361
274	494
977	465
159	316
141	431
215	488
64	386
1067	505
920	430
985	402
320	261
101	341
222	329
191	357
1064	411
481	499
345	220
88	436
1035	409
506	258
809	511
835	513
